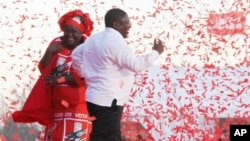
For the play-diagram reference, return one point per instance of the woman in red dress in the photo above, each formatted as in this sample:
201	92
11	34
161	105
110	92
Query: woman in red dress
57	100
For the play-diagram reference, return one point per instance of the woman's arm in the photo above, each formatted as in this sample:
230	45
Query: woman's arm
51	50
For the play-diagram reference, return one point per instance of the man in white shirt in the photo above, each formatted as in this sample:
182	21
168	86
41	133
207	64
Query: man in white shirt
108	65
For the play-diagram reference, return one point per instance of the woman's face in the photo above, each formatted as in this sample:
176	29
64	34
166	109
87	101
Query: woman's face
72	36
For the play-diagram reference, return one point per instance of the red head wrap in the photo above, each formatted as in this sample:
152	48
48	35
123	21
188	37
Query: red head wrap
77	19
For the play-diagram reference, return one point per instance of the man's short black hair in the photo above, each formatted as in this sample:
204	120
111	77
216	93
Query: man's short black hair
113	15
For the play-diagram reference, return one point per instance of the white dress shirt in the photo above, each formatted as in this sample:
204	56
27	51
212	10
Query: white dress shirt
108	65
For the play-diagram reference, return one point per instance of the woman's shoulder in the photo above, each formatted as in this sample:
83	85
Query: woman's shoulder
56	40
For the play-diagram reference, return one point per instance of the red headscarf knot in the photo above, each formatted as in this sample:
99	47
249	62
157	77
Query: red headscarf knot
77	19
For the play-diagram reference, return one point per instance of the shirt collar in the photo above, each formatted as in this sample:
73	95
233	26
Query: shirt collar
112	30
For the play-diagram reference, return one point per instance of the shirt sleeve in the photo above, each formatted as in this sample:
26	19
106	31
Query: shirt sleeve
77	60
124	57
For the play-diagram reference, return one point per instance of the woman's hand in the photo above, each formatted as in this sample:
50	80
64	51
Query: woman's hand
51	50
49	80
55	48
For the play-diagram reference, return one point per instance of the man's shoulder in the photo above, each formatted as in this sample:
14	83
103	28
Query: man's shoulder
96	34
107	34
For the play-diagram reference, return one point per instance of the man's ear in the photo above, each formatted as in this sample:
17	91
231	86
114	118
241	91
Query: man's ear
116	25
